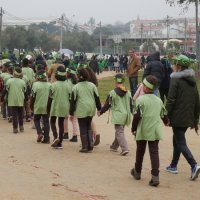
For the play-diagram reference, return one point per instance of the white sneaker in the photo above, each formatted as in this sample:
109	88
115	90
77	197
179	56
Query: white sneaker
195	172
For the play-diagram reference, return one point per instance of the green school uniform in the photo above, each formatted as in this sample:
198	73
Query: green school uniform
85	101
29	73
60	93
16	88
25	78
40	91
5	76
120	107
152	110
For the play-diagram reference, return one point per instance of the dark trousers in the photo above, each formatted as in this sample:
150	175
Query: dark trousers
60	127
163	94
180	146
17	114
6	110
154	156
45	122
85	127
133	81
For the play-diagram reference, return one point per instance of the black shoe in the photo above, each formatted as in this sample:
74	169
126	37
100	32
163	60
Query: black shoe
65	136
97	140
28	119
135	174
154	181
10	119
74	139
46	140
40	138
83	150
55	142
15	130
59	146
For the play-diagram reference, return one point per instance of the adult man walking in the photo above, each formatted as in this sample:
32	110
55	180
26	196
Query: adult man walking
132	71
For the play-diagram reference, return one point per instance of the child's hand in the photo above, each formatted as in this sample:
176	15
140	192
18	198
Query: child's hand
71	118
134	133
98	113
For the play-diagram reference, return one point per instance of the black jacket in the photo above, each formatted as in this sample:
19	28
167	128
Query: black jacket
167	71
154	67
183	99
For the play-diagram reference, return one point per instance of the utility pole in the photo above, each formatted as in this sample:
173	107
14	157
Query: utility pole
61	31
167	21
1	16
142	29
100	39
185	46
197	34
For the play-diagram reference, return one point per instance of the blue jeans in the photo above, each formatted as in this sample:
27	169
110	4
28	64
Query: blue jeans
45	121
180	146
121	67
133	81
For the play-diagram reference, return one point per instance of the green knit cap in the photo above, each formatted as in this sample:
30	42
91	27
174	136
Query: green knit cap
182	60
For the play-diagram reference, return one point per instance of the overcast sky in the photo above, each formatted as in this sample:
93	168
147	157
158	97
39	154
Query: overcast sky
107	11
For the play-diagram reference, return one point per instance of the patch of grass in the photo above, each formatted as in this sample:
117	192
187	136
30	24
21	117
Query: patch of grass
107	84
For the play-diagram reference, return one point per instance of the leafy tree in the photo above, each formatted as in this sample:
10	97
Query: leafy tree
91	21
172	2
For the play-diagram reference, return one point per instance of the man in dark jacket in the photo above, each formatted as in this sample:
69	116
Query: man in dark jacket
154	67
93	64
183	111
164	85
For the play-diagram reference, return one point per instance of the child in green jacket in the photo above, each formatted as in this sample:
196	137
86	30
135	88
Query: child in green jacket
38	104
60	101
120	102
147	128
16	89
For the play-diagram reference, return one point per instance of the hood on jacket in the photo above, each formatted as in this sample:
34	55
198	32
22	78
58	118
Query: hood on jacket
187	74
121	91
155	56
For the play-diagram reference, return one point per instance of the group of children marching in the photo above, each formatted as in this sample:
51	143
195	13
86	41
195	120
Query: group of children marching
74	96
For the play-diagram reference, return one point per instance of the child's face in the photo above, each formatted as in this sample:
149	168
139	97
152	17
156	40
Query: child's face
146	89
176	68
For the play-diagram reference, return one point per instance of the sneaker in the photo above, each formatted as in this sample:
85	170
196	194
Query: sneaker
113	149
123	153
15	130
59	146
135	174
55	142
9	119
28	119
4	118
40	138
195	172
74	139
154	181
45	141
171	169
21	128
65	136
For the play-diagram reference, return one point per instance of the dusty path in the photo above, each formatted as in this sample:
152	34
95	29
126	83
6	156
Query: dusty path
31	171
